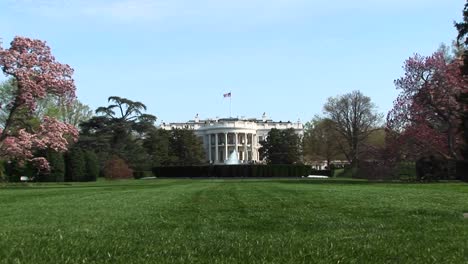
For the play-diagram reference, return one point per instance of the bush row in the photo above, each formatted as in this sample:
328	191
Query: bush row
462	170
237	171
426	169
76	165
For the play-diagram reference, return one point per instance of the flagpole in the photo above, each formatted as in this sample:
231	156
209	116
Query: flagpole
230	105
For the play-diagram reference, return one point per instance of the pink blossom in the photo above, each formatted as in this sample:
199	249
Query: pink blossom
427	111
37	75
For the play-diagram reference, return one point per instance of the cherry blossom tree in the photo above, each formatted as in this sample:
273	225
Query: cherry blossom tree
36	74
427	113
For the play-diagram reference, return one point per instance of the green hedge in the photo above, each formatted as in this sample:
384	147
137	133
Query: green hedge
462	170
142	174
236	171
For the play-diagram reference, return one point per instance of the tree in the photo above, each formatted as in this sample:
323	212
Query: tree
119	129
186	149
354	117
427	111
92	165
281	147
178	147
158	147
72	113
321	142
116	168
36	74
7	89
57	167
462	28
76	165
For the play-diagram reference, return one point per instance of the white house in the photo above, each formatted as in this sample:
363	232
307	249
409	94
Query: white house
222	136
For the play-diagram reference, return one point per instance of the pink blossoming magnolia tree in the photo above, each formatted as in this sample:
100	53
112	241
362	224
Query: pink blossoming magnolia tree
36	74
427	112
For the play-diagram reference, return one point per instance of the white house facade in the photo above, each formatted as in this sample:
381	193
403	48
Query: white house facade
222	136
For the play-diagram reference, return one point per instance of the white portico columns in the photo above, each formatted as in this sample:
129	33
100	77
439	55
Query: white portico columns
236	136
225	146
252	147
246	152
209	149
216	149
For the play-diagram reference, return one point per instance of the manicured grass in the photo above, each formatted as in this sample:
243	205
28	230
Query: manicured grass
234	221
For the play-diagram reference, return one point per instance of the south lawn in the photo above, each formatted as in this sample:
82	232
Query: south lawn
234	221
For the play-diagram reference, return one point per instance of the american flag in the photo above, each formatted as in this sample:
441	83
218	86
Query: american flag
227	94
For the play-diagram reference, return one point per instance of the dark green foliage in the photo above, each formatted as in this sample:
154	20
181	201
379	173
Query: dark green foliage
158	146
431	169
462	170
186	148
57	167
281	147
119	131
92	166
376	170
328	173
15	170
3	176
142	174
75	165
177	147
237	171
462	38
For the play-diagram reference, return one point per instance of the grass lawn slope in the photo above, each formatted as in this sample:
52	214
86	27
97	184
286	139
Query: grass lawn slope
234	221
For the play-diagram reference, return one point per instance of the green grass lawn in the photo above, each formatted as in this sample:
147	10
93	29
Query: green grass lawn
234	221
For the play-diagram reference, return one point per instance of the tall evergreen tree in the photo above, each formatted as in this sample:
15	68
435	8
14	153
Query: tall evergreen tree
176	147
75	165
92	165
281	147
462	28
186	148
57	166
120	130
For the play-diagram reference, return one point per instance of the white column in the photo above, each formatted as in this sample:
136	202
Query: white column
216	148
225	147
237	144
253	147
246	153
209	148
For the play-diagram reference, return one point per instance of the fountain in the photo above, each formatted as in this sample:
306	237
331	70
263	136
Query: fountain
233	160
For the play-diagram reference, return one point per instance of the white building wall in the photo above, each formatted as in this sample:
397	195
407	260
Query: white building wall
242	134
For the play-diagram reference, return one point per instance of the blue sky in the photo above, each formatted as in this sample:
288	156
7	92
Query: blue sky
282	57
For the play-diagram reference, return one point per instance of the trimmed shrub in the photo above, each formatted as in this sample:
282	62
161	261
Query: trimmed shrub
322	172
376	170
237	171
142	174
462	170
117	168
431	169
